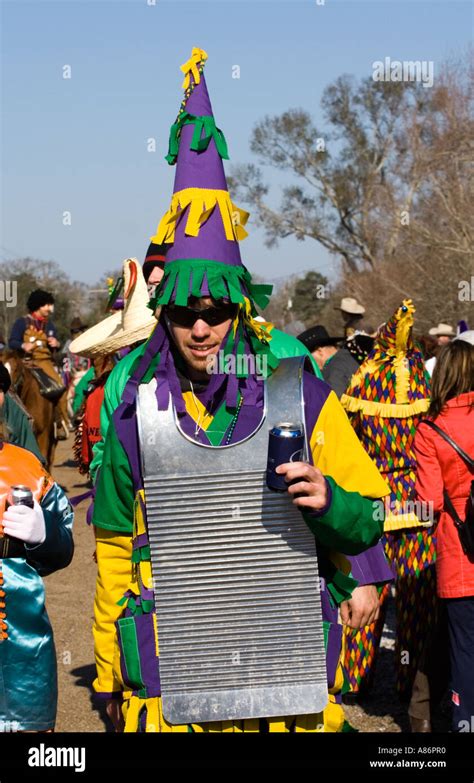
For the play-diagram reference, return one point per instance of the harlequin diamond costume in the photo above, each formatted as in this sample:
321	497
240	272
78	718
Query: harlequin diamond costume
385	401
221	624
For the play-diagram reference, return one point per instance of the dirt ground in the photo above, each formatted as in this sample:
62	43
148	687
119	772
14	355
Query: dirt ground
70	596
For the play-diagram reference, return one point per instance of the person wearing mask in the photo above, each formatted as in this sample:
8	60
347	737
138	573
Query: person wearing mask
444	479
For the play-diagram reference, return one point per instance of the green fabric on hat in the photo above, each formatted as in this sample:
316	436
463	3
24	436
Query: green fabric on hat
182	290
166	287
204	124
223	279
196	281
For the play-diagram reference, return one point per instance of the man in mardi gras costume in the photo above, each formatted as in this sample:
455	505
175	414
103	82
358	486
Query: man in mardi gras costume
385	401
242	634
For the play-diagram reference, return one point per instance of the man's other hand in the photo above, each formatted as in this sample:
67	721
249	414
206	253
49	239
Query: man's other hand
113	708
362	608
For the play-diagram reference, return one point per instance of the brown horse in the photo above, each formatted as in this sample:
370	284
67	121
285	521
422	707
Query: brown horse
41	409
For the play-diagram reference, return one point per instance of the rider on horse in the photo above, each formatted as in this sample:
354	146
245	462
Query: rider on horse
35	337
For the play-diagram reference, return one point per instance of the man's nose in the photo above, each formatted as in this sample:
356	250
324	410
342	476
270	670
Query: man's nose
200	329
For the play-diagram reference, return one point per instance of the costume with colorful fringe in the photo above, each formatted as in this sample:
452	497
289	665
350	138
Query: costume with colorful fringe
204	261
386	399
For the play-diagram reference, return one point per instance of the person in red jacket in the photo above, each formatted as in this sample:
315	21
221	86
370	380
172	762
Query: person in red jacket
440	469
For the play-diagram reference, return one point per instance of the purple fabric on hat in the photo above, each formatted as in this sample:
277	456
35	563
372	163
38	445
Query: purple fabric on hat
198	169
210	244
201	170
199	102
371	566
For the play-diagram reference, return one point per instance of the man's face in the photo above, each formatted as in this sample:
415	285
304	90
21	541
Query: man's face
2	399
321	355
443	339
156	277
46	310
198	341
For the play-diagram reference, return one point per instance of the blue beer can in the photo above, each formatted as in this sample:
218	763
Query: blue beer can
285	444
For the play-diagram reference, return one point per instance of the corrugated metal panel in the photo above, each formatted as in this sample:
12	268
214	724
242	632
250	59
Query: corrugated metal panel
237	599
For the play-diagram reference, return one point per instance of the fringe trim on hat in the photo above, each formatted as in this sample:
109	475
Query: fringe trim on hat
185	277
202	124
201	203
387	410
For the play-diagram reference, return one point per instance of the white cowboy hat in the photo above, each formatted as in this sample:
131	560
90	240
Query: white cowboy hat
125	327
351	306
442	329
467	337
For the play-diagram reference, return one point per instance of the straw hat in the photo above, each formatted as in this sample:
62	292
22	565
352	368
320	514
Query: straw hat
351	306
442	329
125	327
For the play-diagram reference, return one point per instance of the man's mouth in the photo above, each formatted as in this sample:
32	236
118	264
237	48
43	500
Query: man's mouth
201	350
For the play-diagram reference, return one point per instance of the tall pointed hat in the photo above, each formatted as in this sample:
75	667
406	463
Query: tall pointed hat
202	223
392	381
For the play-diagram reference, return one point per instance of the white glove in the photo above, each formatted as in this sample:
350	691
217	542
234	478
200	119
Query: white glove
25	523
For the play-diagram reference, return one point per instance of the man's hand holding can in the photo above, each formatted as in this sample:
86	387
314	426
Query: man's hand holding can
306	483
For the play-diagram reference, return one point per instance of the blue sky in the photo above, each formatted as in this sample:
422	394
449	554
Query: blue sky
80	144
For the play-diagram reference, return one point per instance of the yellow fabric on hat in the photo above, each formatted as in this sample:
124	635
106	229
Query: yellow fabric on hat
191	66
201	203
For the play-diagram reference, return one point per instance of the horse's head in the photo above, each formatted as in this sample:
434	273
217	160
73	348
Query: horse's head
14	365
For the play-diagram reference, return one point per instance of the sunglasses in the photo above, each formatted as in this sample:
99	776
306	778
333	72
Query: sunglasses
186	316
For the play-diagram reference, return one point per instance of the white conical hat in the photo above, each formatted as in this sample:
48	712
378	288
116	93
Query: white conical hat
125	327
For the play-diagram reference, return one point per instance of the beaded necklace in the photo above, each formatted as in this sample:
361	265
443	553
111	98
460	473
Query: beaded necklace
233	422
